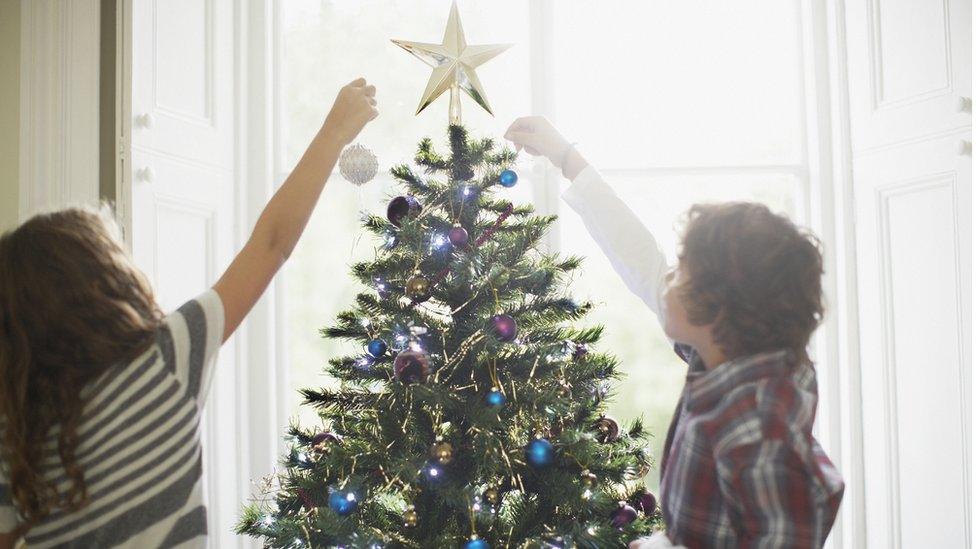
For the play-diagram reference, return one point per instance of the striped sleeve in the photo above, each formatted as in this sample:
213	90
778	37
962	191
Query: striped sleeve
8	514
189	342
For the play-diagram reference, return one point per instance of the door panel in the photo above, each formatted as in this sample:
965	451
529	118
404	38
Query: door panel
909	70
914	271
183	84
180	179
182	75
910	65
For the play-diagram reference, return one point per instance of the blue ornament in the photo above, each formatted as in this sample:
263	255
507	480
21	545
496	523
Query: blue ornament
343	502
476	543
495	398
376	347
508	178
539	452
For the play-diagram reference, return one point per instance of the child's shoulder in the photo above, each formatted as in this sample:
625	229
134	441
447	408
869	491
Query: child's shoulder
776	407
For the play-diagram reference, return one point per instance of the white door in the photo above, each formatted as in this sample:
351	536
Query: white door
180	190
910	72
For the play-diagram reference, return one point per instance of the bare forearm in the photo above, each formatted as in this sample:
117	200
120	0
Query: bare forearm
284	218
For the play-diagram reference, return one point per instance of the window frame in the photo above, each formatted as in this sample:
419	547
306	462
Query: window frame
826	207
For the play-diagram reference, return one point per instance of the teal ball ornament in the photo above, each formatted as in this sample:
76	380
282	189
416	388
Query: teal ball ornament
376	347
476	543
495	398
540	453
508	178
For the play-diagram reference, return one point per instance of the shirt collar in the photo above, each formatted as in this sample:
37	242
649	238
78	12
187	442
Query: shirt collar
704	387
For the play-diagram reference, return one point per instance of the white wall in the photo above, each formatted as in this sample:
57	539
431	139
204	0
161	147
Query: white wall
9	112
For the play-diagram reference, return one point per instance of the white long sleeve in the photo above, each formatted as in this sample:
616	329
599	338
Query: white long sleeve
659	540
631	248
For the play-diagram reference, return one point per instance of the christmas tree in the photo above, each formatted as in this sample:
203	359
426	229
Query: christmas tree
475	415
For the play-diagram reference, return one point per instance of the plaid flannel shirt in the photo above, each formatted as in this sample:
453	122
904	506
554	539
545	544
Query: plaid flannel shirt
741	467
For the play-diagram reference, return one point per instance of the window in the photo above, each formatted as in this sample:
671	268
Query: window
674	102
679	102
326	44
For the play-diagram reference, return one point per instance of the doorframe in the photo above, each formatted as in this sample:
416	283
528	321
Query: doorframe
833	216
123	114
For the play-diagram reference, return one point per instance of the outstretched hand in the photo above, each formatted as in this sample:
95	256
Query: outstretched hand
538	137
353	108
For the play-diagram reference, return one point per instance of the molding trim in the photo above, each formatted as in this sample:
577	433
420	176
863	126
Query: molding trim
964	130
876	58
59	101
846	429
207	117
883	196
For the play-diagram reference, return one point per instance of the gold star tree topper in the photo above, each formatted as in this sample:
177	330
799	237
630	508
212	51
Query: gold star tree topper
454	63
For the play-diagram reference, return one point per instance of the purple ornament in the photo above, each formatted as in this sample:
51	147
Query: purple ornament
325	437
580	350
647	503
458	237
505	327
306	500
623	515
402	207
411	366
321	443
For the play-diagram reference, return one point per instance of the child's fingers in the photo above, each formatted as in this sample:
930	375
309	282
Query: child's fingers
522	138
357	83
370	90
520	124
371	101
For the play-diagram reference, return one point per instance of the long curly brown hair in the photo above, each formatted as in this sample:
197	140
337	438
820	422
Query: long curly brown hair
71	305
754	275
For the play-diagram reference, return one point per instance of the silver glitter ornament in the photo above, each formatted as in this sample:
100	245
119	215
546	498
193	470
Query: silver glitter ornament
358	164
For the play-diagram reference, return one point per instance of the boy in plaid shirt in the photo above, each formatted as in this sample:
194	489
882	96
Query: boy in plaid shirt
740	467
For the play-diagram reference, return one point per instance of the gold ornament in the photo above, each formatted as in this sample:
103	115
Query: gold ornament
588	479
418	287
410	517
442	451
565	388
607	429
491	494
454	63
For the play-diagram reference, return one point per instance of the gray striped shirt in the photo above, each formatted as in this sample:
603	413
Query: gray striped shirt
139	445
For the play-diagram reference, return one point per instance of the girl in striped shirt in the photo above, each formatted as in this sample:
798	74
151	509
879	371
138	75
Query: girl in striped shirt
100	393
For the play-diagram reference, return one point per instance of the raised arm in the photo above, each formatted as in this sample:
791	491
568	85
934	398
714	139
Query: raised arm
631	248
284	218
